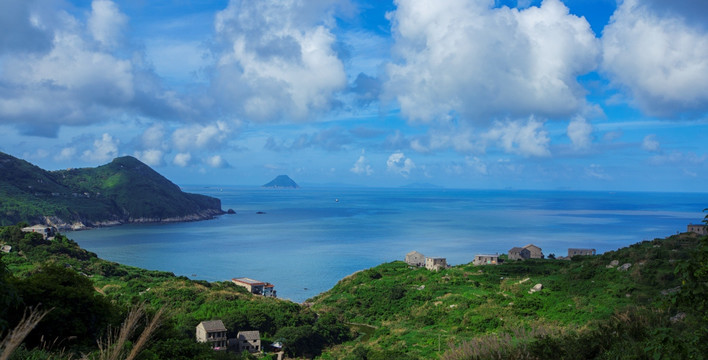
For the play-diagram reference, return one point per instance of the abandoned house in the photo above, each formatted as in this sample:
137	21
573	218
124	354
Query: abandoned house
698	229
535	251
584	252
47	232
415	258
519	253
435	263
213	332
255	287
249	341
486	259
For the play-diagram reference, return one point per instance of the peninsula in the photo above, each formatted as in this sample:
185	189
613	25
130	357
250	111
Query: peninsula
122	191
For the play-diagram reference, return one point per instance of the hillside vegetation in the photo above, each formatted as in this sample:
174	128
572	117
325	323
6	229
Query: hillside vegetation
587	309
88	296
125	190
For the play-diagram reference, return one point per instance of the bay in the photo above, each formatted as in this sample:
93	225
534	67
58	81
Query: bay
305	240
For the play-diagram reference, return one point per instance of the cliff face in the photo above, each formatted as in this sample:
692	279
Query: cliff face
123	191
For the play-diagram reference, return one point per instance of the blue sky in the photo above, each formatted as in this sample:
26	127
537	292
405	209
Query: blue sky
581	94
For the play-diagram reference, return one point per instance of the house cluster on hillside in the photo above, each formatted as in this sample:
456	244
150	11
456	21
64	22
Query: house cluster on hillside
215	333
415	258
529	251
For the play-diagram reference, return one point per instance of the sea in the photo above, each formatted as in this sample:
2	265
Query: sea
305	240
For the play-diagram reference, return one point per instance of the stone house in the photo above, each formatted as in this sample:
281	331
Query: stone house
583	252
255	287
213	332
519	253
435	263
535	251
47	232
415	258
248	341
486	259
698	229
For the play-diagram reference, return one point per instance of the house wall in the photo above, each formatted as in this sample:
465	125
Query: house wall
698	229
534	252
415	259
435	263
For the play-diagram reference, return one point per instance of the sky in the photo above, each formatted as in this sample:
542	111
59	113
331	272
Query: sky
518	94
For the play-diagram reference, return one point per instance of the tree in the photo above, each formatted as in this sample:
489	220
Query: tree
79	311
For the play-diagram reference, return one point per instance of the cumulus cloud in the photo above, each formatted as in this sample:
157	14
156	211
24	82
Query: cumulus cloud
361	166
580	133
217	161
104	149
201	136
66	153
527	139
182	159
650	143
106	23
152	157
276	59
658	57
400	164
86	74
469	59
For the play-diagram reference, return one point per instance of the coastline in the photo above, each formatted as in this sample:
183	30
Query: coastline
88	225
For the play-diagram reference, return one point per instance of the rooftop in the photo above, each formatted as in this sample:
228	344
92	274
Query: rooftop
213	325
248	335
248	281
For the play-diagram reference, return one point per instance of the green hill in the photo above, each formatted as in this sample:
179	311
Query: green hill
282	181
588	308
123	191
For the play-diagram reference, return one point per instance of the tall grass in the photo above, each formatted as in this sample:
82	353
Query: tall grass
13	339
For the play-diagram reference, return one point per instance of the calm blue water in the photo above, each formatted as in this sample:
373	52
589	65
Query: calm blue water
307	241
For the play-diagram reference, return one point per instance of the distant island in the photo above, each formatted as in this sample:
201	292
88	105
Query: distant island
282	182
122	191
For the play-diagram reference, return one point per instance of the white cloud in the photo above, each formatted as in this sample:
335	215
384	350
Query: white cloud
152	157
217	161
477	164
153	137
580	132
650	143
182	159
469	59
361	166
104	149
106	22
277	59
658	58
84	74
400	164
66	153
678	158
201	136
596	171
529	139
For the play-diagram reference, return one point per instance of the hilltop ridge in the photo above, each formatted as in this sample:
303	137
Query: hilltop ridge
122	191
